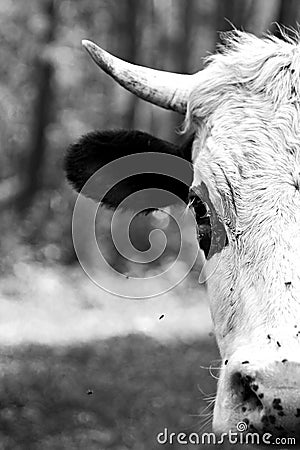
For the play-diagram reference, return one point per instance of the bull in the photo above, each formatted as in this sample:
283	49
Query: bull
243	112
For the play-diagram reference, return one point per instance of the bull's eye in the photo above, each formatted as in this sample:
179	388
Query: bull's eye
202	216
212	235
200	208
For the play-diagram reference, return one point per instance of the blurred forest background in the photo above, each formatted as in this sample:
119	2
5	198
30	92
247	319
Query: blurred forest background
119	392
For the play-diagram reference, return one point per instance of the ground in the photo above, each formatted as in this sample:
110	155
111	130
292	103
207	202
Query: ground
83	370
112	394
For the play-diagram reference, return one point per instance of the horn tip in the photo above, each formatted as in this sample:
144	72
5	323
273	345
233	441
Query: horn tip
86	43
93	49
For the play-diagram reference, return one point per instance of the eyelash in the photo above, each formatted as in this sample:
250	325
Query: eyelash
201	209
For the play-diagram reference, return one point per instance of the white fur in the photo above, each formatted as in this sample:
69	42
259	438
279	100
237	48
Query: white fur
250	131
247	121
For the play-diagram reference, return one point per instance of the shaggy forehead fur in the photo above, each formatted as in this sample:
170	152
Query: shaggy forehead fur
247	152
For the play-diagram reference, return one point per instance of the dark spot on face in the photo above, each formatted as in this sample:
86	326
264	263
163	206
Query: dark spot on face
288	284
255	387
226	362
272	419
249	378
285	67
278	344
284	361
261	395
245	362
277	404
293	91
244	409
161	317
269	337
89	392
242	386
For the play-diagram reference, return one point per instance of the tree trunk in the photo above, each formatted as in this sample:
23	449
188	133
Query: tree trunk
182	49
130	36
32	173
262	13
288	16
231	14
185	33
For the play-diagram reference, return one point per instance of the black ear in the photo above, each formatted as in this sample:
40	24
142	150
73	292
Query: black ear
153	164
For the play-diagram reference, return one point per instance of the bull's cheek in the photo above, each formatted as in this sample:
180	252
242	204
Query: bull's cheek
211	278
218	281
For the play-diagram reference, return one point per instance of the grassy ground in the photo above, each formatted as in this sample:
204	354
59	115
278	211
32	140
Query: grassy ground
81	369
113	394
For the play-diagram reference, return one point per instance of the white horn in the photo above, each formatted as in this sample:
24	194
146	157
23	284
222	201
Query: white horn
165	89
